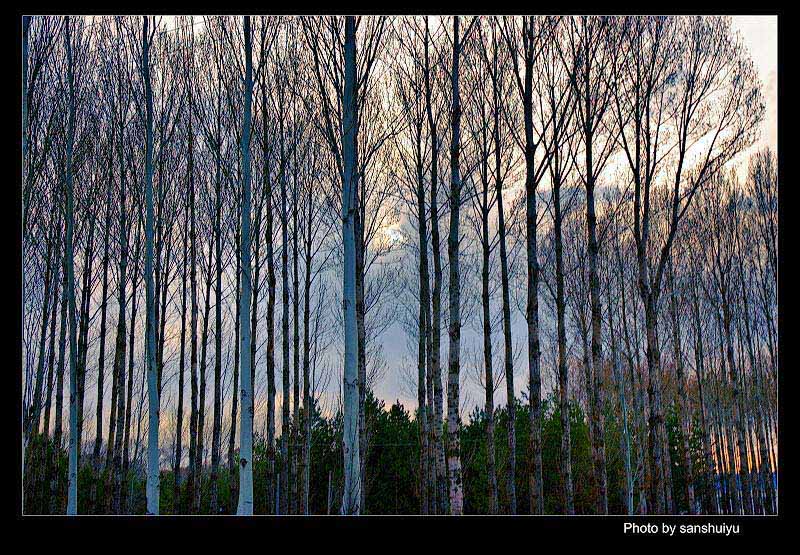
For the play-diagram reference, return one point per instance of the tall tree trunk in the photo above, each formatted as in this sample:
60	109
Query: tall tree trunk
270	315
536	497
723	425
362	338
487	358
532	306
563	371
246	451
201	404
193	471
74	440
637	394
234	487
217	422
440	482
150	333
454	331
55	485
596	392
286	369
351	501
176	489
296	338
423	346
756	368
306	455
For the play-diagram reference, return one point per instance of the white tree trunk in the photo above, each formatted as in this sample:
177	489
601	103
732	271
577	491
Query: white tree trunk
352	477
246	441
150	330
453	363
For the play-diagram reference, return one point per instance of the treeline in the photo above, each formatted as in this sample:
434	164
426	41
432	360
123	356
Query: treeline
394	454
224	218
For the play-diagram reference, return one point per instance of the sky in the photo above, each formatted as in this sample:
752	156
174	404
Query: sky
760	35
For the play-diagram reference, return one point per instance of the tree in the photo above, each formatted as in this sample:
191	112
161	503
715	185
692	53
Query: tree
351	503
150	335
74	439
246	450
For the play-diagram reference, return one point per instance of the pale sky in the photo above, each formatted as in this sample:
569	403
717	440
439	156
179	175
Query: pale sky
760	35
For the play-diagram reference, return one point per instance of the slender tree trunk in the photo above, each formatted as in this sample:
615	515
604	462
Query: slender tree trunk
270	315
286	368
236	371
636	391
453	363
119	348
306	455
74	440
536	497
193	471
296	451
150	334
217	422
487	358
532	309
441	503
55	485
563	371
362	340
246	451
596	392
423	347
351	501
723	424
176	490
201	405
